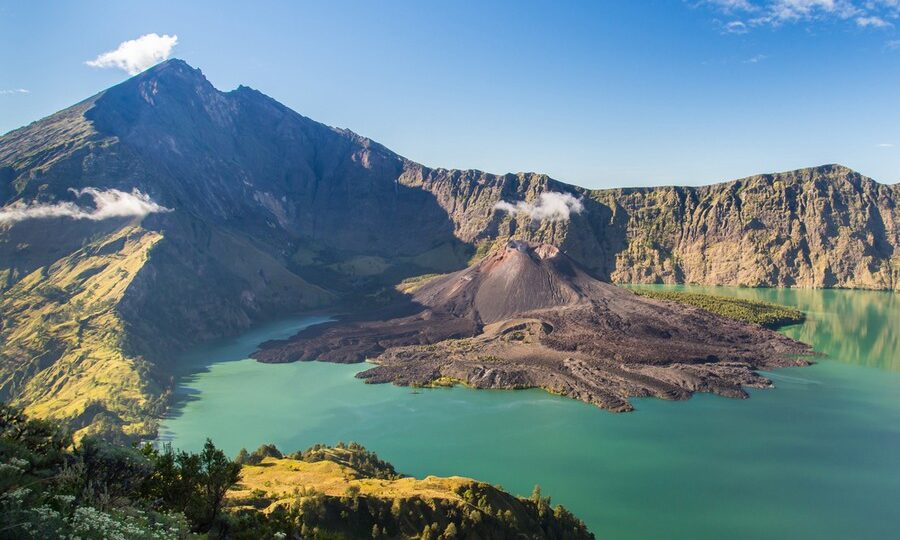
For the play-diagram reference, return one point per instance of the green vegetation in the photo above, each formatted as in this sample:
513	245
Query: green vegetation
412	284
348	492
264	451
64	353
751	311
445	382
77	346
352	455
347	271
483	248
51	487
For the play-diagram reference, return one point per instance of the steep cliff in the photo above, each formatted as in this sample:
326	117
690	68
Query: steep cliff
820	227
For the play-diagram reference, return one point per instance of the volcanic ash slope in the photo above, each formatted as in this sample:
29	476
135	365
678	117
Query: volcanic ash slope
529	316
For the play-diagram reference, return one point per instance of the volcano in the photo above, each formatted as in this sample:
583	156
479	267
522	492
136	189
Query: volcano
529	316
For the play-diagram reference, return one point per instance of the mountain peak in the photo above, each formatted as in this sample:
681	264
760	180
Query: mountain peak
172	65
168	75
833	168
163	96
541	251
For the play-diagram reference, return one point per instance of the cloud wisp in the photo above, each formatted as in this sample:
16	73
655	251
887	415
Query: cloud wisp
12	91
743	15
872	21
109	203
136	55
550	206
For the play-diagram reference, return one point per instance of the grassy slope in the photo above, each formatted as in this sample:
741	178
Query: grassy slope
761	313
73	345
402	506
61	342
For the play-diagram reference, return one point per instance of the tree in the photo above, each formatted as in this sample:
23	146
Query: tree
110	470
218	475
542	503
195	484
40	442
264	451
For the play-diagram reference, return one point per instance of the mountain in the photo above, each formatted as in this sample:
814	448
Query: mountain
529	316
202	212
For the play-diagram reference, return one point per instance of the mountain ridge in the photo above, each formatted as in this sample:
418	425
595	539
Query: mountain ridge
242	88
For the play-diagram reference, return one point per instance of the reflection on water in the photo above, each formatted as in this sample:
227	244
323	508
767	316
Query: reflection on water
854	327
196	364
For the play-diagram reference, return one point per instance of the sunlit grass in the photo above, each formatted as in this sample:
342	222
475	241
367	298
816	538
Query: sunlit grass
752	311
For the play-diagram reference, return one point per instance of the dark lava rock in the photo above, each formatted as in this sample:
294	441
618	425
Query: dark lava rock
529	316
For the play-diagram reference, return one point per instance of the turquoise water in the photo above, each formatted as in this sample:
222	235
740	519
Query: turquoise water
817	457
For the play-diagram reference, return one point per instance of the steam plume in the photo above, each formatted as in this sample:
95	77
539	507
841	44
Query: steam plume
550	206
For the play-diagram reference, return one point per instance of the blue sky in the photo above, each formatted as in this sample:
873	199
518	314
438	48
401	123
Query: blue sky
600	94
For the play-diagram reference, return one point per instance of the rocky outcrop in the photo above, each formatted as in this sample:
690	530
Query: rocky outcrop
529	316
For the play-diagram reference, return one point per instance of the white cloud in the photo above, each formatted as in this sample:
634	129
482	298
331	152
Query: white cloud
755	59
11	91
136	55
107	204
893	44
732	5
736	27
550	206
886	145
873	21
793	10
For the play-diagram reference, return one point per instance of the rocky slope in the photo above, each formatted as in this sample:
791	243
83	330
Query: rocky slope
529	316
821	227
268	212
